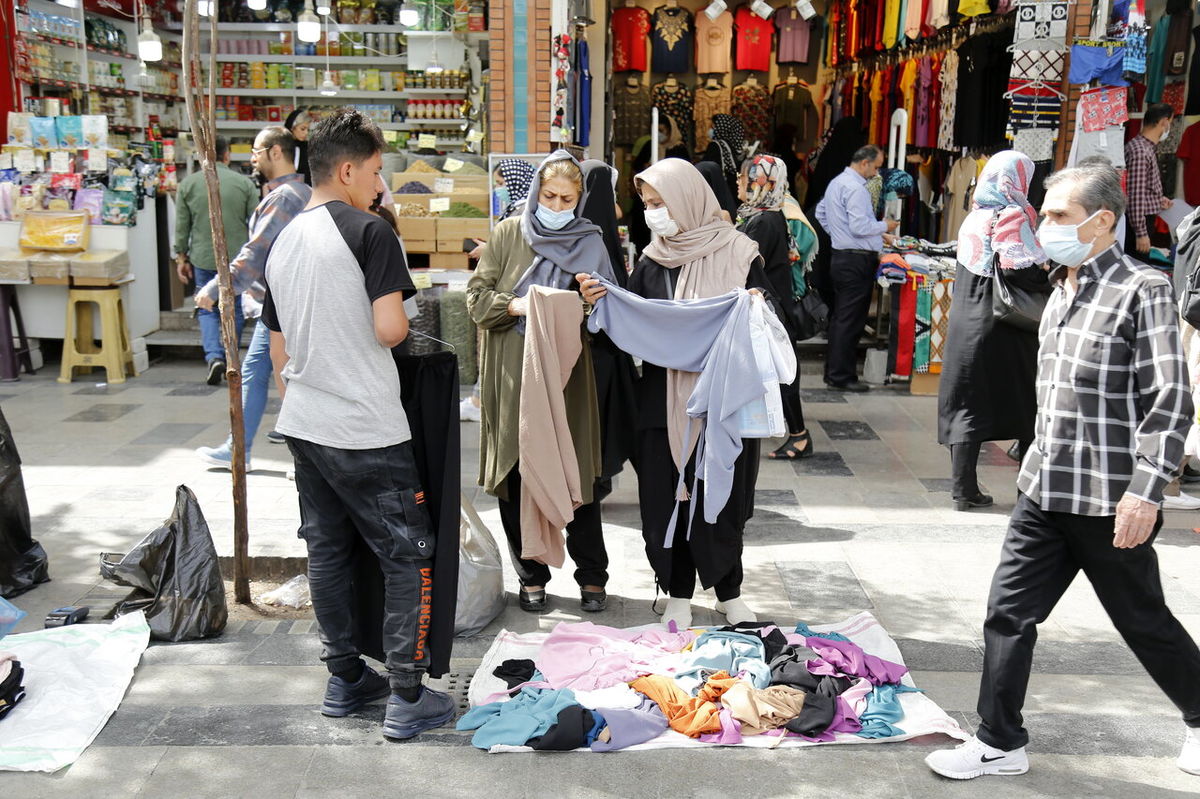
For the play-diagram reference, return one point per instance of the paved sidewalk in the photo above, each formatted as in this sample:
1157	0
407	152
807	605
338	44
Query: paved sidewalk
864	525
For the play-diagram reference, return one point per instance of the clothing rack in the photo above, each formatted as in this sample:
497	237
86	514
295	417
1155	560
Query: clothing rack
946	39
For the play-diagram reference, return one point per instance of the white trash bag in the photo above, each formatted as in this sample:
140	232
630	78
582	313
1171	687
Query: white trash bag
481	595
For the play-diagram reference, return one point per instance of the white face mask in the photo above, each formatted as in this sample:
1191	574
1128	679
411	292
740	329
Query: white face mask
659	220
555	220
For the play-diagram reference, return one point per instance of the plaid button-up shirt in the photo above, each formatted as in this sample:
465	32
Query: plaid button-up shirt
1143	182
1113	400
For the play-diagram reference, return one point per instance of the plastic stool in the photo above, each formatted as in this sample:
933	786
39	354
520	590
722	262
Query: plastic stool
79	350
12	356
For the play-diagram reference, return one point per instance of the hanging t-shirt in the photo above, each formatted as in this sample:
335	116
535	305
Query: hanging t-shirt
752	105
631	107
937	16
922	102
946	109
794	36
630	31
908	87
1189	152
676	103
714	39
891	23
708	102
794	106
753	41
672	39
913	19
973	8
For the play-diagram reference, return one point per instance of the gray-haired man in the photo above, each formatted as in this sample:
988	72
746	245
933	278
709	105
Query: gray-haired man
1113	410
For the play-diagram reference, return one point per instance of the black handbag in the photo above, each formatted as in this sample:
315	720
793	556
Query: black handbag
811	315
1013	305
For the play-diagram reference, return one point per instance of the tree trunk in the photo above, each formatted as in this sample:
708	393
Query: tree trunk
201	114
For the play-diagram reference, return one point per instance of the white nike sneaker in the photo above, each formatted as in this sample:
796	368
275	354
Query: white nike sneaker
975	759
1189	758
678	611
1181	501
736	611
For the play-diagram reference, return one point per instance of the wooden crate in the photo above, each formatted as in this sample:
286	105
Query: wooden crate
417	228
420	245
448	260
452	228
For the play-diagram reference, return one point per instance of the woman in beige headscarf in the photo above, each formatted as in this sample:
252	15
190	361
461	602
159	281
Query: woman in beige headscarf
694	254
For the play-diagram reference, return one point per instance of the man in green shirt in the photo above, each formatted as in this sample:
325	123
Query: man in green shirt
194	255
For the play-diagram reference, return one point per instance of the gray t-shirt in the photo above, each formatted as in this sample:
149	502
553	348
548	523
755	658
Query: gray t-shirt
323	272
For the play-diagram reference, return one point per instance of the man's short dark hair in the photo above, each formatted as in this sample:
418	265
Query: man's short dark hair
221	145
1155	113
279	135
344	135
868	152
1093	187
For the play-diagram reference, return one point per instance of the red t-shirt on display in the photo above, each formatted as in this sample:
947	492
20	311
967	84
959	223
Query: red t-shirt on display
631	33
753	41
1189	152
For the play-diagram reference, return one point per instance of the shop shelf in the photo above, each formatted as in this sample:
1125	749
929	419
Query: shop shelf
170	98
242	58
114	92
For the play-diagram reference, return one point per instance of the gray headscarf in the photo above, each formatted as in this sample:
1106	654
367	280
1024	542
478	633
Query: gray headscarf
560	254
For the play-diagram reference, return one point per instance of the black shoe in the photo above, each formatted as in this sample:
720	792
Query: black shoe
276	437
532	601
343	698
592	601
216	370
978	501
405	719
1190	475
854	385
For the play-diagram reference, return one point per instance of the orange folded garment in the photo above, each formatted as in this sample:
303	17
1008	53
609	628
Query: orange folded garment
691	715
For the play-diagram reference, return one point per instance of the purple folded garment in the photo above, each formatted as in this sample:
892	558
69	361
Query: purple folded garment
629	727
843	658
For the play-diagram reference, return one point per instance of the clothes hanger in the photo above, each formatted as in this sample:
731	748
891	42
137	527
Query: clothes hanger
671	83
433	338
632	82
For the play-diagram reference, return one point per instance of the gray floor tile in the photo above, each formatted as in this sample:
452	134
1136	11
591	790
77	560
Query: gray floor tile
100	390
200	390
849	430
767	496
820	395
170	433
103	412
819	588
826	464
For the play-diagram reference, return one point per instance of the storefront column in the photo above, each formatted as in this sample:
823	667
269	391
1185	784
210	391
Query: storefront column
521	81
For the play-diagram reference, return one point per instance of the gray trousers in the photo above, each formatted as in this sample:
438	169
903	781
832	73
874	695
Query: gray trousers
375	494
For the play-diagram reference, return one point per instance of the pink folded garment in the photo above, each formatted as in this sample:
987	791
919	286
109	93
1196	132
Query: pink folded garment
589	657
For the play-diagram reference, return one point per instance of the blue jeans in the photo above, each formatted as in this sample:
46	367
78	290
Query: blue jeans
256	383
210	321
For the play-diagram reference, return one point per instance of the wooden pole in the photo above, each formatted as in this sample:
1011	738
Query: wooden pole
202	117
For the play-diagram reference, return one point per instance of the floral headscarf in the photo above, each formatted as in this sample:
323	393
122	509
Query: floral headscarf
1002	222
766	185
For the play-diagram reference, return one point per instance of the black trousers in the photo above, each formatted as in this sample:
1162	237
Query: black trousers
1042	554
793	409
964	461
853	275
375	494
585	540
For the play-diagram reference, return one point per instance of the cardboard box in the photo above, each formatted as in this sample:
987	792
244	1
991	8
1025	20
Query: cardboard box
14	263
420	245
924	384
417	228
447	260
50	267
98	264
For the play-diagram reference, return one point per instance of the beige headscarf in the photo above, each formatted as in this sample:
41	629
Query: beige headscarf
713	258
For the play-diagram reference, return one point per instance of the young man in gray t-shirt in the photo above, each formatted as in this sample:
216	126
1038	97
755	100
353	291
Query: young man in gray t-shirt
336	282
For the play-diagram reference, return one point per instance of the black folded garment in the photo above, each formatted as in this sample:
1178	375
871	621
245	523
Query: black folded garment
815	717
514	672
790	667
11	689
570	731
774	642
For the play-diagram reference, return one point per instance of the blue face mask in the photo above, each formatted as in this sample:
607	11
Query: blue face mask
503	198
554	220
1062	245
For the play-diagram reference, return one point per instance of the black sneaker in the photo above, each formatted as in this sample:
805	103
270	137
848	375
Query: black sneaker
405	719
1190	475
216	370
276	437
978	501
343	698
592	601
854	386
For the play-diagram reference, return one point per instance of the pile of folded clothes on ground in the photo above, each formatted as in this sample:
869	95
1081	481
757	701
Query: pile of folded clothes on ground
608	689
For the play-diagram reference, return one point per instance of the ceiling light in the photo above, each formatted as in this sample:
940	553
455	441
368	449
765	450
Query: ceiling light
324	7
408	16
308	24
715	9
762	8
256	5
204	8
328	87
148	43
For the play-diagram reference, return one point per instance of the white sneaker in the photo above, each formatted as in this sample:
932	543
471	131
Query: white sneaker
1181	502
468	411
736	611
1189	758
975	758
678	611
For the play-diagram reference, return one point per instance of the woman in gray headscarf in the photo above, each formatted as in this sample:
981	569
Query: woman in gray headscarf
544	246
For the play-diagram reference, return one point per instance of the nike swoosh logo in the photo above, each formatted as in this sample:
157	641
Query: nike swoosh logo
983	759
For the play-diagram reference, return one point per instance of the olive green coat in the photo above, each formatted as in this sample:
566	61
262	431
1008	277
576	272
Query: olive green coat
501	353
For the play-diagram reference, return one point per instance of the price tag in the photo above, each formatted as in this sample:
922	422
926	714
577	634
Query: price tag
23	160
439	204
475	136
97	160
427	141
452	165
422	280
390	136
60	161
443	185
5	160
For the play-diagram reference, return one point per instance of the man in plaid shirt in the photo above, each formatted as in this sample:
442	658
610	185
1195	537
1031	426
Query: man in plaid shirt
1113	411
1144	181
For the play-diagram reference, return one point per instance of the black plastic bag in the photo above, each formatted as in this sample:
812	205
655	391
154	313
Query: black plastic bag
22	560
176	574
